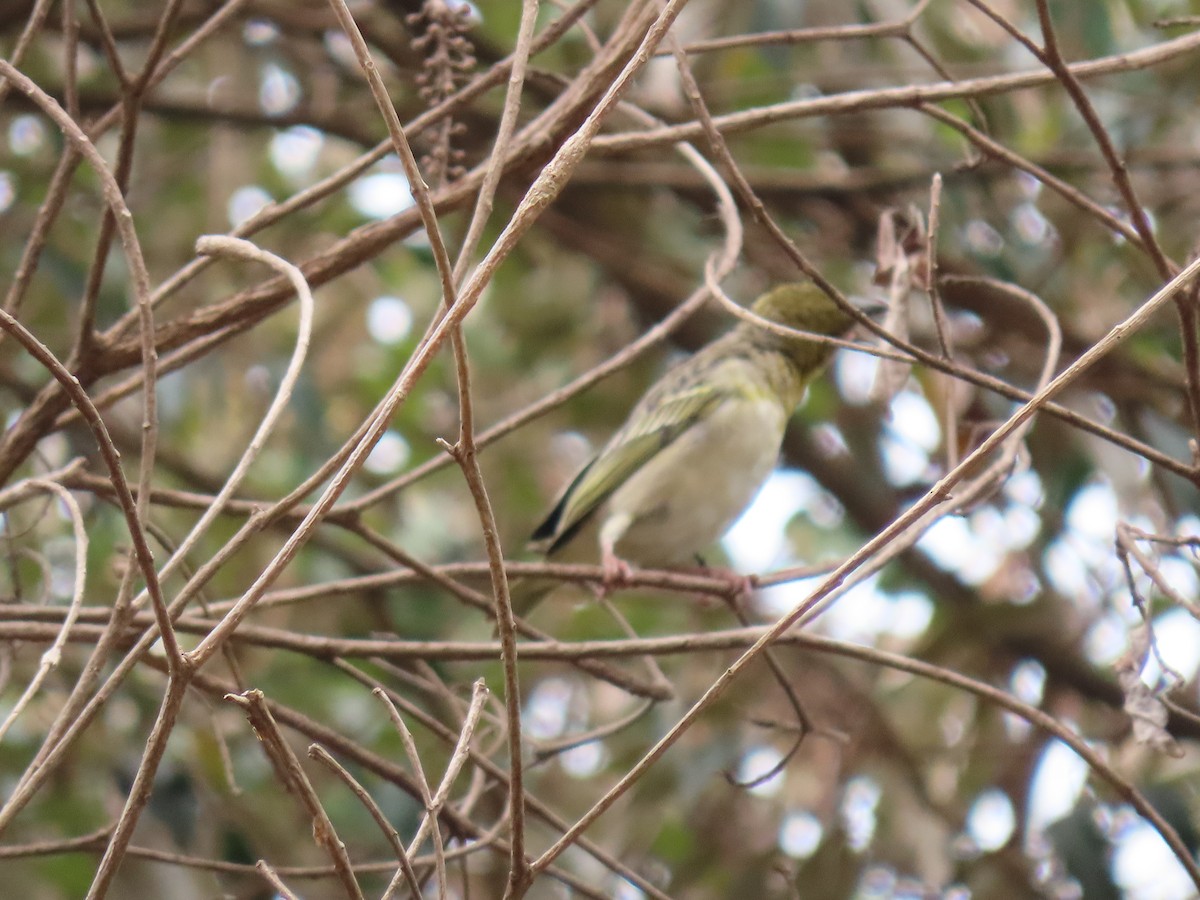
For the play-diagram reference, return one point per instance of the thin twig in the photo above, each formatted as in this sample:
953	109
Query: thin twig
51	657
321	755
904	96
292	778
136	512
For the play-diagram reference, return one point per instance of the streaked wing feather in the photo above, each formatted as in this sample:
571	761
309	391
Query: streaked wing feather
660	421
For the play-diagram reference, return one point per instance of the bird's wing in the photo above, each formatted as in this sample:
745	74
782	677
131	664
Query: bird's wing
659	420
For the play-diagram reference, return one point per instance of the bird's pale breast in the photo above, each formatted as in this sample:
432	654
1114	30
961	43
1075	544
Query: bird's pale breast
688	495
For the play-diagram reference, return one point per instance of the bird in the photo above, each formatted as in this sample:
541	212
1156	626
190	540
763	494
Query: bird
694	451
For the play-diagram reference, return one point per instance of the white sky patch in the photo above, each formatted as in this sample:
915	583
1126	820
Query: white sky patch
389	455
1029	223
1021	525
278	90
991	820
547	708
982	238
60	556
757	762
1145	867
854	374
583	761
1093	512
1030	186
8	190
756	541
380	196
294	151
245	202
911	434
1057	784
1066	569
903	463
1187	526
389	320
862	614
26	135
1106	639
623	890
780	598
1015	728
1080	563
800	834
830	440
1177	635
476	15
987	524
1025	488
859	804
1028	681
1181	575
954	546
259	32
338	46
911	614
912	420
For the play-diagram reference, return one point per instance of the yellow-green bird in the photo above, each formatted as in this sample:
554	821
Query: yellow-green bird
695	449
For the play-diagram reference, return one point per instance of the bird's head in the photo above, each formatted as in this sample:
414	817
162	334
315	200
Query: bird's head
805	307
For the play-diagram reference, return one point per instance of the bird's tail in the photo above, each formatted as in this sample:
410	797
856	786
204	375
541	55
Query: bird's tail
526	593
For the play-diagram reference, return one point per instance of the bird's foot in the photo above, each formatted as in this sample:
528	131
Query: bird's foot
617	572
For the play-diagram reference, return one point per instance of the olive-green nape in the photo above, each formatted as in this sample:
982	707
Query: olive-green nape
804	306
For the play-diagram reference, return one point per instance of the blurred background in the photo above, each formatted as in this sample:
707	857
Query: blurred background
1071	583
